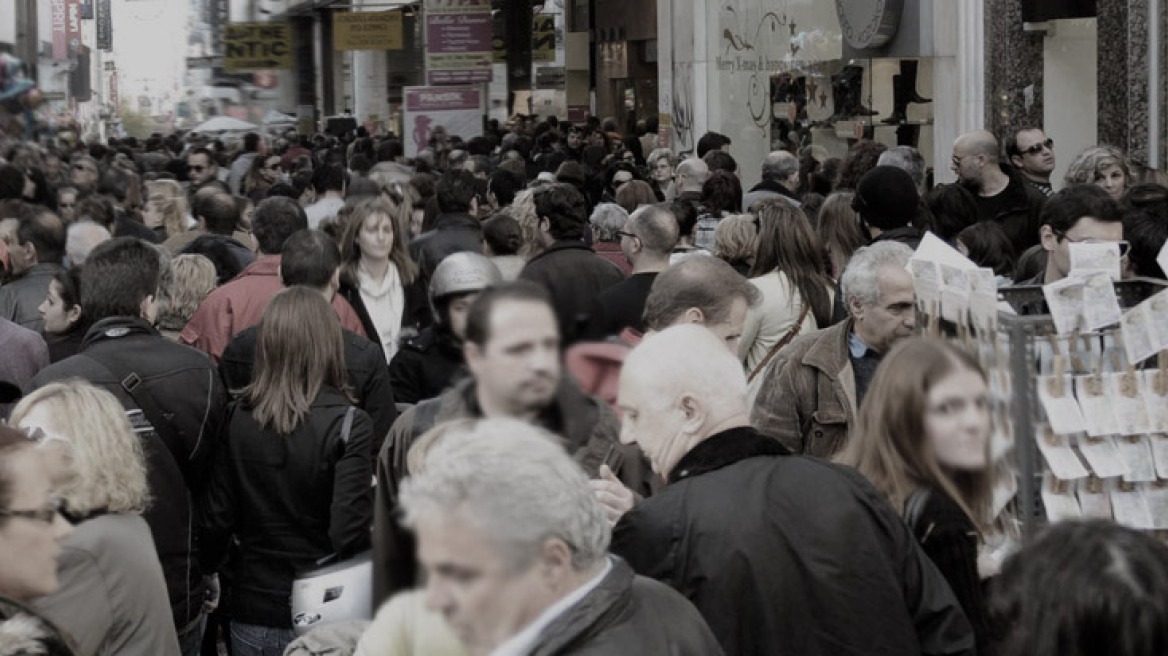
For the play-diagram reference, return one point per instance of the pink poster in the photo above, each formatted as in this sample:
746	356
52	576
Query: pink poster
58	19
458	109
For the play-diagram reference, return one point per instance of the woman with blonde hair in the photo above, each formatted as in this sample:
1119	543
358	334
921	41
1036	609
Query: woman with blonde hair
112	596
523	210
166	208
378	276
922	439
1103	166
193	279
291	486
735	242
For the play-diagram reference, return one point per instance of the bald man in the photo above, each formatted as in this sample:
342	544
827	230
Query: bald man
781	553
1002	194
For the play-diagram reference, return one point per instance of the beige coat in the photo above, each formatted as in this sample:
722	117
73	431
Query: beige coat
807	399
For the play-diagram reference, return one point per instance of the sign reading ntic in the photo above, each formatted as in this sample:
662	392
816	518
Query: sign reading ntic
257	46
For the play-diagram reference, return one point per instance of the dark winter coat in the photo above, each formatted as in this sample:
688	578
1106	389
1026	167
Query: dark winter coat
289	501
784	554
574	276
425	366
186	387
453	232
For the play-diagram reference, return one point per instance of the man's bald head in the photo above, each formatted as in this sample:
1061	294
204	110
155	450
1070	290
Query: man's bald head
980	142
677	388
692	174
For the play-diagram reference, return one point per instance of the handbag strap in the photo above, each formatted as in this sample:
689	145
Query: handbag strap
914	507
791	334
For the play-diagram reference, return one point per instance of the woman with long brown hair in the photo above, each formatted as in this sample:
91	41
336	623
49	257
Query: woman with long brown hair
261	175
922	439
796	293
377	274
292	481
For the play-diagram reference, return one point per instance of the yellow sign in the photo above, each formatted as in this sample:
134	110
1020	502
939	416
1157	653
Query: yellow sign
257	46
543	38
367	30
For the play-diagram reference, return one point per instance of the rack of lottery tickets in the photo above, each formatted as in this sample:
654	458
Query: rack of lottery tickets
1079	387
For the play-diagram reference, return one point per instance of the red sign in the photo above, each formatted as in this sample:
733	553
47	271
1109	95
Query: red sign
58	20
113	89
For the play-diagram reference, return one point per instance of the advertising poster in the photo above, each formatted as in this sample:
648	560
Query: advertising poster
458	41
458	109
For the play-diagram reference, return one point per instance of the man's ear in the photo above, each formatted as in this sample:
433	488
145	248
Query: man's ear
855	308
30	252
1048	238
695	412
473	356
693	315
1016	160
555	561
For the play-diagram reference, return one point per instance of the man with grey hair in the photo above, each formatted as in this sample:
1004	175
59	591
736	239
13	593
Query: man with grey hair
812	388
780	177
909	160
607	221
514	546
781	554
81	238
647	240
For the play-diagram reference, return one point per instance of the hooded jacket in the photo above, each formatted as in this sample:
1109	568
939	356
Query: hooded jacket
784	554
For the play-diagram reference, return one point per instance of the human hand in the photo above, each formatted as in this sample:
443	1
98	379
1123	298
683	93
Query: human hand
614	497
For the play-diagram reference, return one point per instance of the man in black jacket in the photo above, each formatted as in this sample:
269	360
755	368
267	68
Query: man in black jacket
455	229
311	259
572	273
178	390
515	550
782	554
1002	195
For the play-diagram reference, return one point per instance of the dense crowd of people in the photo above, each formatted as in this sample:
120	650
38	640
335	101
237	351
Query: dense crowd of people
575	393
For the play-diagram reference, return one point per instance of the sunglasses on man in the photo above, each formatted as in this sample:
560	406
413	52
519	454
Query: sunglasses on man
1038	147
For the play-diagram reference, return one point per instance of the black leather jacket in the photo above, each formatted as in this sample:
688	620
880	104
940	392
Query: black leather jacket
289	501
186	387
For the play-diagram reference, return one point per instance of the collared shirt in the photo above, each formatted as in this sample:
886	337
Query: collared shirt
858	348
521	643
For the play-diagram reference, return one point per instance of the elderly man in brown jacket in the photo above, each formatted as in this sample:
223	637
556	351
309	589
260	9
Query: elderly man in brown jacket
813	387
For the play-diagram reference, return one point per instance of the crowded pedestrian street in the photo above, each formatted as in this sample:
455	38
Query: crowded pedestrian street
586	327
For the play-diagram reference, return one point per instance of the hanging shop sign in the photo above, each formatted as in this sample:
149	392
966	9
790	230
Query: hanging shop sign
73	25
458	41
105	27
257	46
458	109
367	30
543	38
58	18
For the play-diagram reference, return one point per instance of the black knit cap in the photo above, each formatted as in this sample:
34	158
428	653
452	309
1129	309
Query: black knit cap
886	198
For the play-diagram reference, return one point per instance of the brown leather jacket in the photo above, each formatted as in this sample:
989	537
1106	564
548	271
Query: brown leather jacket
807	399
588	427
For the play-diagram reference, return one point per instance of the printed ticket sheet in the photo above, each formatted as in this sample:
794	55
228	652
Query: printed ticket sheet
1130	506
1126	392
1059	456
1100	419
1064	299
1160	453
1100	304
1102	456
1138	334
1062	411
1094	499
1136	452
1091	258
1059	499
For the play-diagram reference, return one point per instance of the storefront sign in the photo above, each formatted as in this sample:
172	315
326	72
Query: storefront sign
543	38
86	9
73	24
257	46
869	23
58	13
105	29
458	109
458	41
367	30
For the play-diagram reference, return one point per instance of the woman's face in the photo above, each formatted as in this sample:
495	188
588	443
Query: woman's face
1112	180
29	545
417	218
57	317
375	238
662	171
271	170
957	421
152	215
